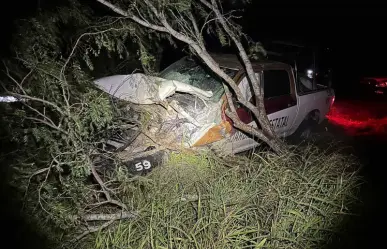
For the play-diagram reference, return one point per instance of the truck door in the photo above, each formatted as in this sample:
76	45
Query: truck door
280	105
280	99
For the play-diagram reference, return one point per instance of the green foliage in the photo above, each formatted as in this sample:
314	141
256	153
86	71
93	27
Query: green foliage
59	127
59	123
147	60
223	38
96	114
268	201
49	33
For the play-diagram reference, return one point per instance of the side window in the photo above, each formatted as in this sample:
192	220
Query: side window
276	83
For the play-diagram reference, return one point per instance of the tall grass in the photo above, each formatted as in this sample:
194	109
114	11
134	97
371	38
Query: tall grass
267	201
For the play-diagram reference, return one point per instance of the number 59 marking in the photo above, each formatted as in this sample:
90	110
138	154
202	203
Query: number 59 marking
145	164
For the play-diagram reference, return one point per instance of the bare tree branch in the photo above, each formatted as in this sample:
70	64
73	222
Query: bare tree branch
76	45
105	190
22	96
197	33
257	89
48	124
245	127
120	11
26	76
229	99
38	172
93	230
206	23
116	9
107	217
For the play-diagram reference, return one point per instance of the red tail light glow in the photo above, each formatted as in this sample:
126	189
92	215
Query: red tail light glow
359	119
330	101
382	84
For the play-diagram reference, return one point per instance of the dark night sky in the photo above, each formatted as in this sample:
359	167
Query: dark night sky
355	33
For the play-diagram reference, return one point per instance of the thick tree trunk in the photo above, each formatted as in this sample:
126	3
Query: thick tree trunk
257	89
273	141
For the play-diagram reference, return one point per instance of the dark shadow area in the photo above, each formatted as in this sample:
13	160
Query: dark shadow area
17	232
356	127
364	230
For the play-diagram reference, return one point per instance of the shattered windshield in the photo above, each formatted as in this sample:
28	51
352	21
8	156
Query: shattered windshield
188	71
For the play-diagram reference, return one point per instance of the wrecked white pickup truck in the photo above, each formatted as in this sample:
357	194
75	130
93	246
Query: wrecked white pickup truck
185	107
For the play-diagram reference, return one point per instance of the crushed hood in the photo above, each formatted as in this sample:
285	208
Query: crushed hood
144	90
193	113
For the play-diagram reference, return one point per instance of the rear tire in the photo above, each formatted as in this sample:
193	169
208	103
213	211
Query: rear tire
307	126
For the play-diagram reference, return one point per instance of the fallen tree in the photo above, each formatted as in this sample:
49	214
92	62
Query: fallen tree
185	21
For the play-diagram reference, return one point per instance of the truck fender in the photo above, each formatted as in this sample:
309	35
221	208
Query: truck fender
311	120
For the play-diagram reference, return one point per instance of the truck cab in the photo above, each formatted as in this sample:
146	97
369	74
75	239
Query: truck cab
293	104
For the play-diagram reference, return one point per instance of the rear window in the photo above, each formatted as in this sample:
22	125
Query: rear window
276	83
190	72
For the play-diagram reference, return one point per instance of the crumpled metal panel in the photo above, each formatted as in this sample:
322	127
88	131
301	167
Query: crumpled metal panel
185	117
144	90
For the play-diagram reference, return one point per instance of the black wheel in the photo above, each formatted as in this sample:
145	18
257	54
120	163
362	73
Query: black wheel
305	129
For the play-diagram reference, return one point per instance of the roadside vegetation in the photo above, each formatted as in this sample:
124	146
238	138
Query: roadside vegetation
78	195
265	201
